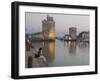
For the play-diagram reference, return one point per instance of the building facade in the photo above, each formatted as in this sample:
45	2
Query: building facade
48	28
84	36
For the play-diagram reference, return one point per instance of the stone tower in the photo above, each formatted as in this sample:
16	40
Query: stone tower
73	32
48	28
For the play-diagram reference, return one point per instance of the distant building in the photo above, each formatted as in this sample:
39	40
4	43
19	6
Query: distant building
73	33
48	28
84	36
67	37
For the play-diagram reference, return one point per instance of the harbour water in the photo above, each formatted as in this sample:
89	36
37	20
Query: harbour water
64	53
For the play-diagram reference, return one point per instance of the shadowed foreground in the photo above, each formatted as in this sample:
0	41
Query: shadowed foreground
31	61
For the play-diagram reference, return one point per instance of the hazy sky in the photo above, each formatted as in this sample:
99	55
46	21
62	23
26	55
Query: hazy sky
33	22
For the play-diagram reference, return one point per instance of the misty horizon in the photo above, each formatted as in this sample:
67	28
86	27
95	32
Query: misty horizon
33	22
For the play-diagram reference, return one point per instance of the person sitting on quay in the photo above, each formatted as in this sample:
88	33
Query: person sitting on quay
40	55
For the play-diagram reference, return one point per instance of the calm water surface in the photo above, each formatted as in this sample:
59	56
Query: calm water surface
60	53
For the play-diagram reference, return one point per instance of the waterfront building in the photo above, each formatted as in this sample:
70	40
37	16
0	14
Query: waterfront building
84	36
67	37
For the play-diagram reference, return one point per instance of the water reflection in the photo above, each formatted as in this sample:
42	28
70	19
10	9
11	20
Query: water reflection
62	53
83	44
71	46
49	51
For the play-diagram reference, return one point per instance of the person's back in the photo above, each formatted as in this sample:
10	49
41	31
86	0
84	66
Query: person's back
38	53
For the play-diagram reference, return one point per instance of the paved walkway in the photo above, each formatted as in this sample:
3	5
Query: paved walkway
31	61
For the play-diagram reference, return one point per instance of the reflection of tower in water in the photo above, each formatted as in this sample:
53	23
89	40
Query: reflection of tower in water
49	51
71	45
